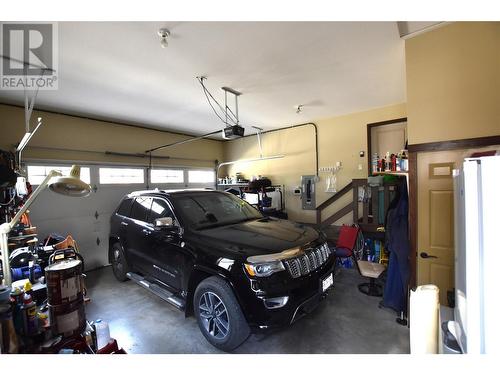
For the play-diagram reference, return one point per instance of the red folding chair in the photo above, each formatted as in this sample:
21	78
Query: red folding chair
347	248
346	242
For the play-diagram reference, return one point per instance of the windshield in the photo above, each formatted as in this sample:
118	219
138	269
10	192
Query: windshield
211	209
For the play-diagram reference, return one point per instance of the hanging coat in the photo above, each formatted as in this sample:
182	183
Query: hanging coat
398	243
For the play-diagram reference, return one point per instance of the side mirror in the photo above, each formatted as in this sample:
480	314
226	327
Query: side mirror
164	222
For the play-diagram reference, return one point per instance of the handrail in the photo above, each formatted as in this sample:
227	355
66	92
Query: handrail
337	195
338	215
346	189
353	204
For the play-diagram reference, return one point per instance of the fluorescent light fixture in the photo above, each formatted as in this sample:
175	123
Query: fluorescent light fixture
24	142
28	136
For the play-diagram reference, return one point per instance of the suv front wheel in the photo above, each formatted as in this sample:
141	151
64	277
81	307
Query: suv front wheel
219	315
118	262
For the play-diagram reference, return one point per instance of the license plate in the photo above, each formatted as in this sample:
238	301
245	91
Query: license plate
327	282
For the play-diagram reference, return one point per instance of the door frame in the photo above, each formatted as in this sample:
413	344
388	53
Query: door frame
413	151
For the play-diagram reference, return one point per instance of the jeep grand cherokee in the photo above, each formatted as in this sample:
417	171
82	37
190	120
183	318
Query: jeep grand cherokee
213	255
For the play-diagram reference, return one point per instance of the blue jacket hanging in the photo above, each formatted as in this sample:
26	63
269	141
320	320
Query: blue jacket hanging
398	244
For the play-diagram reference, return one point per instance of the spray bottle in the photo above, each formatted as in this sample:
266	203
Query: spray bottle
30	321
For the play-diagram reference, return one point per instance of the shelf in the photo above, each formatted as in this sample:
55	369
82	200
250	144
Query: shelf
397	173
22	237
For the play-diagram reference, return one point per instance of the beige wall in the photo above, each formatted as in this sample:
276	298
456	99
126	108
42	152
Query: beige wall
453	82
69	132
340	139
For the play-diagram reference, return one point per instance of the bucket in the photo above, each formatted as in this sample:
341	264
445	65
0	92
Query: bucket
64	282
68	319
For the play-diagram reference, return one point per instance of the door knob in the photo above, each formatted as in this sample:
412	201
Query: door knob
425	255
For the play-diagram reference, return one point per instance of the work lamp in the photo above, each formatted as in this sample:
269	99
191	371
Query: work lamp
70	185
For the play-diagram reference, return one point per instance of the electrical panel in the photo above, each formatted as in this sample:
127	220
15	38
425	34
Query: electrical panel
308	194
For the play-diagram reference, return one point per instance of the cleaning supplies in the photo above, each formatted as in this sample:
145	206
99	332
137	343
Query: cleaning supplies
102	333
17	301
28	312
375	163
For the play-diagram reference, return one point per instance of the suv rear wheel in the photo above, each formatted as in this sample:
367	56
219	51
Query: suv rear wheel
118	262
219	315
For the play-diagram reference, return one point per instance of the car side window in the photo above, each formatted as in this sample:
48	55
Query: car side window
125	206
159	208
140	208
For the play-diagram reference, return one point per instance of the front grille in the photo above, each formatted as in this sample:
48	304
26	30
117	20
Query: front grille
308	262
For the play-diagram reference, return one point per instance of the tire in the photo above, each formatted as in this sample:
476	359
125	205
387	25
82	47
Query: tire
118	262
224	330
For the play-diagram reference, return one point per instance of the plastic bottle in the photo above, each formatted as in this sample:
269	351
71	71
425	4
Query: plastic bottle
30	320
375	163
31	271
17	301
28	287
404	165
393	162
102	333
377	251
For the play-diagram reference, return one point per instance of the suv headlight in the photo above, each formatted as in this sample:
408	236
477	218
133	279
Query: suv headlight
266	265
264	269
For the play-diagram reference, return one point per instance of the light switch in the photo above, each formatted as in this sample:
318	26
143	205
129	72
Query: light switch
360	167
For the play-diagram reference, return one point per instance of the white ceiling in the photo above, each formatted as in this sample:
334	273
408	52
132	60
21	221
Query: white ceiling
118	71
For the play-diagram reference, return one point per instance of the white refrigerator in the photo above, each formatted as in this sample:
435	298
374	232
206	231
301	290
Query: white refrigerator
477	256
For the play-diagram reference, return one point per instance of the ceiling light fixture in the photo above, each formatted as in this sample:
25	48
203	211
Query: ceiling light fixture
164	34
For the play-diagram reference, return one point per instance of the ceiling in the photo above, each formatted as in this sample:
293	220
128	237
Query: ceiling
118	71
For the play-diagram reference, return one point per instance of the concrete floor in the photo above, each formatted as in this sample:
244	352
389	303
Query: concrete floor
346	322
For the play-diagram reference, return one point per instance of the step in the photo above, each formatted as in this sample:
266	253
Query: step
158	290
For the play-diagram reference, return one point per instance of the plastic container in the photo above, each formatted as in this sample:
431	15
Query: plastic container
102	333
28	312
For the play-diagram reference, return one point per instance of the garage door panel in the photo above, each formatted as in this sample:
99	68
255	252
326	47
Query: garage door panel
55	213
87	218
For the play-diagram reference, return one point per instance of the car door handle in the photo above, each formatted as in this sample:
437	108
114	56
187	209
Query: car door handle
426	256
123	224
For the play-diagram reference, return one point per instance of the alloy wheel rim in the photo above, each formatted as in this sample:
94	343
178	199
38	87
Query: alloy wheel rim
214	315
117	260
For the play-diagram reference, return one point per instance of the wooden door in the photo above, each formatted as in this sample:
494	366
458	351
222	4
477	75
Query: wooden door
435	239
435	227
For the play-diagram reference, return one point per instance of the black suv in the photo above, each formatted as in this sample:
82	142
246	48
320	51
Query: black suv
212	254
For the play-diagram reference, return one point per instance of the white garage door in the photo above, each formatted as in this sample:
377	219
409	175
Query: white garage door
87	219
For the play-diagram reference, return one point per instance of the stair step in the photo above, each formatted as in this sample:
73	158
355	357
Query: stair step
158	290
